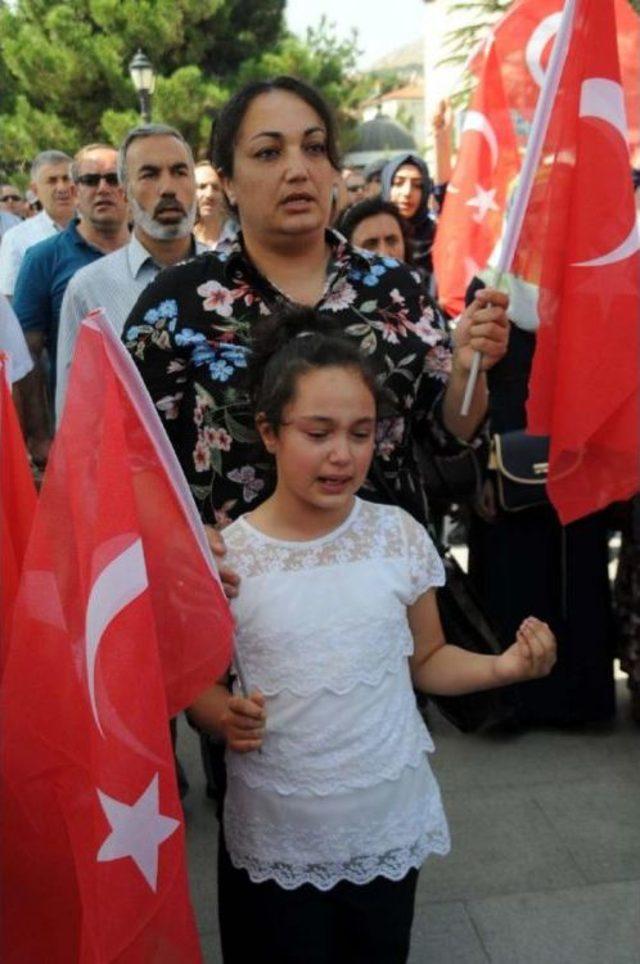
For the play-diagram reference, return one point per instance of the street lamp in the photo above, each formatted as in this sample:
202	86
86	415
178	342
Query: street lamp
144	81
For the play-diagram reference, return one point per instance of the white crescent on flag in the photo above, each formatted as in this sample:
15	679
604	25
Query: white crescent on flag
476	121
540	37
629	246
119	583
604	99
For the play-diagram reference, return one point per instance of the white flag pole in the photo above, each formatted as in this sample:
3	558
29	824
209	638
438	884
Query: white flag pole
530	166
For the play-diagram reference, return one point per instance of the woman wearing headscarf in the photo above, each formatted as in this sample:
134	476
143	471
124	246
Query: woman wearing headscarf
407	184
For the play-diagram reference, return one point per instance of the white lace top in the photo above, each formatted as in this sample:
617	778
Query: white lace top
342	789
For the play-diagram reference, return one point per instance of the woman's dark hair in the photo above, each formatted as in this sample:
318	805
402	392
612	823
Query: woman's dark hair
227	124
370	208
290	343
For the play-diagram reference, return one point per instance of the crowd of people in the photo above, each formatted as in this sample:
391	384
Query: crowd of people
283	314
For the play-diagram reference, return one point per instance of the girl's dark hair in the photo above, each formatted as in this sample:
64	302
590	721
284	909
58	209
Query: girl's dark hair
227	124
289	343
369	208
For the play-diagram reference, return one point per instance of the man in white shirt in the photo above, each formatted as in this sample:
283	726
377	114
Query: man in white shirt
7	221
155	166
211	206
13	342
51	181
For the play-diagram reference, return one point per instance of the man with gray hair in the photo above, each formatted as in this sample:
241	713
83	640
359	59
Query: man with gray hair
99	227
51	182
156	170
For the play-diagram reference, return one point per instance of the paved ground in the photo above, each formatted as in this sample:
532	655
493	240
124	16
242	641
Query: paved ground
545	865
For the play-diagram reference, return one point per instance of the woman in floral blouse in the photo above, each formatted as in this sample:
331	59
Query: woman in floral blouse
190	332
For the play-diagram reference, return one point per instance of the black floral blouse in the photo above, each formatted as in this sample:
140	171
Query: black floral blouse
190	335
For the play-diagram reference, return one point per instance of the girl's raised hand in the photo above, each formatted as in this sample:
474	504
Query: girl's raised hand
243	722
532	655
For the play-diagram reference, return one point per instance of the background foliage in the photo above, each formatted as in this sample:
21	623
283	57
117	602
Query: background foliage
64	77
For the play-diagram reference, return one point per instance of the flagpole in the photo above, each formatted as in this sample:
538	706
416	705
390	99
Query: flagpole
529	168
139	397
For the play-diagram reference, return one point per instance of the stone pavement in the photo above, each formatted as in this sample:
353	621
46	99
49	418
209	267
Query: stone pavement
545	863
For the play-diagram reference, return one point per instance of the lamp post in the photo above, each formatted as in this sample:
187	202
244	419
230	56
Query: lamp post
144	81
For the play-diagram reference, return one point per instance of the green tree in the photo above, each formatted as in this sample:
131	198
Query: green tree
324	60
459	42
63	65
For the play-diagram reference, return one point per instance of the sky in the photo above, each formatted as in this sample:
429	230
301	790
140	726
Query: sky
383	25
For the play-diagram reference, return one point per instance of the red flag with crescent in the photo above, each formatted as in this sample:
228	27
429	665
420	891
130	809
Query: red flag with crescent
17	505
523	40
580	238
471	219
120	622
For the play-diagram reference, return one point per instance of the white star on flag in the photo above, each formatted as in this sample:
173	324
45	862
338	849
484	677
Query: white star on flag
484	201
136	831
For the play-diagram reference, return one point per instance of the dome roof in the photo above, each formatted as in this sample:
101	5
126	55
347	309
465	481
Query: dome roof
382	134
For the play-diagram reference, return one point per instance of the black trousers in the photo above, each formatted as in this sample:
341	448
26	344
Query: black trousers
349	924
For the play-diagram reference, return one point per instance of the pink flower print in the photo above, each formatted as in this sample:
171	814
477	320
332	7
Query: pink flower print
396	297
245	293
202	456
438	361
246	477
222	514
168	406
389	434
217	438
216	298
341	297
200	408
390	332
424	328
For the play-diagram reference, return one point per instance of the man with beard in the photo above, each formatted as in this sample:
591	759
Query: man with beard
100	226
156	171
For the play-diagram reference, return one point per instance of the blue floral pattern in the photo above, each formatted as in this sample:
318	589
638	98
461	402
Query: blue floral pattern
190	335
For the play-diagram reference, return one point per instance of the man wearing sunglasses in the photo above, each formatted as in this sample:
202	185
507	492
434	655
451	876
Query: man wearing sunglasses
99	227
11	200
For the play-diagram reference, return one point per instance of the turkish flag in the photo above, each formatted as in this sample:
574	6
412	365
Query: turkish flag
471	220
580	240
524	38
17	505
120	622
